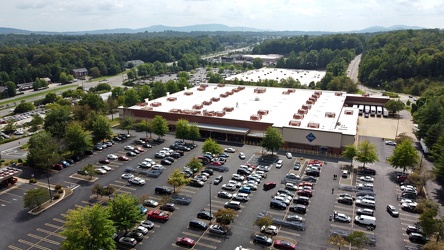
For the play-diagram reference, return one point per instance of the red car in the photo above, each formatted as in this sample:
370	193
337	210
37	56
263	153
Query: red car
140	149
306	193
216	163
269	185
186	242
250	165
57	167
280	244
123	158
104	161
158	215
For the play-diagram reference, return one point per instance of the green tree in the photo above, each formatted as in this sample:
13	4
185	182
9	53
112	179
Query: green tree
57	120
144	126
36	121
337	240
366	153
195	164
358	239
94	101
193	133
77	139
263	222
94	72
103	87
177	179
225	216
211	146
428	222
10	126
24	107
394	105
258	63
159	126
88	228
90	169
182	129
12	88
272	140
127	123
42	151
50	98
124	211
112	104
350	152
130	98
35	197
433	245
101	128
404	156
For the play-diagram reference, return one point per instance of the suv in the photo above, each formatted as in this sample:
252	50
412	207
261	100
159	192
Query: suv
278	204
302	200
392	211
163	190
218	180
233	205
365	211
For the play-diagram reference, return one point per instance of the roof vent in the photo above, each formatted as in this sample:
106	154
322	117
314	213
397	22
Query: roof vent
298	116
172	99
348	112
295	123
330	114
197	106
255	117
207	103
176	111
215	99
188	93
302	111
313	125
338	93
306	106
260	90
228	109
262	112
156	104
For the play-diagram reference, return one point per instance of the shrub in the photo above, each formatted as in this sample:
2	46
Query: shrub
60	191
58	186
56	196
32	180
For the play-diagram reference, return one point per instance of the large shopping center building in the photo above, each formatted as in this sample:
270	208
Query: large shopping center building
307	119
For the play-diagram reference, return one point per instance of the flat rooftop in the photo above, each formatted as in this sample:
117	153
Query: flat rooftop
277	74
282	107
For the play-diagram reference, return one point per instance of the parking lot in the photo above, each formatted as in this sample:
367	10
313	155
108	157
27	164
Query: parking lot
390	233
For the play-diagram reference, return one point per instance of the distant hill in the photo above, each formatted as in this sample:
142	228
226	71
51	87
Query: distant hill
203	28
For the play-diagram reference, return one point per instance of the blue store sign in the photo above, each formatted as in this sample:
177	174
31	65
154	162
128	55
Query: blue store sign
310	137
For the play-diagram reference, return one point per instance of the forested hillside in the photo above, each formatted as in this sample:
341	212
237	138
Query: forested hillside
403	61
23	58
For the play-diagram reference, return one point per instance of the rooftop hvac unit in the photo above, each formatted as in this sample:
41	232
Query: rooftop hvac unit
295	123
257	99
330	114
313	125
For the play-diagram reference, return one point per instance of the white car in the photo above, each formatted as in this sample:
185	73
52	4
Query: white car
106	168
283	199
293	217
127	176
230	150
237	177
367	179
289	155
149	160
279	163
158	167
137	181
129	147
229	186
100	171
145	164
112	157
291	187
391	143
241	156
270	230
236	183
342	217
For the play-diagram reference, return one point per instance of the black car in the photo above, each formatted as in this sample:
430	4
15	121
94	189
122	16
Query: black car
171	159
147	145
168	207
89	152
175	155
208	171
262	239
417	238
136	235
158	140
131	153
302	200
366	171
181	199
166	162
224	195
116	138
413	229
163	190
298	209
310	179
345	200
313	173
204	215
243	171
196	183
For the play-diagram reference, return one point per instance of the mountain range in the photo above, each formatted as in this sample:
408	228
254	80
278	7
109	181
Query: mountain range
202	28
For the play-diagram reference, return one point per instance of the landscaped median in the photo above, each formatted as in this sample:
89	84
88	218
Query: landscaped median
60	194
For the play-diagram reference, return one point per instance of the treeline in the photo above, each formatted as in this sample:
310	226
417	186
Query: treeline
333	52
403	61
27	57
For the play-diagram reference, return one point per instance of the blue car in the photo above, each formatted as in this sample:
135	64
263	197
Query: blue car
143	210
245	190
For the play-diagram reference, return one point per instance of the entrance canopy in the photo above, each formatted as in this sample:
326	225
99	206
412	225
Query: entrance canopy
223	129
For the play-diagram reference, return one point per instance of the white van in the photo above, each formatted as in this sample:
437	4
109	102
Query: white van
366	220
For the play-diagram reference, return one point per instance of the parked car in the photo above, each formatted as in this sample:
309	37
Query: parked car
217	229
271	229
224	195
123	158
168	207
163	190
185	241
127	241
104	161
289	155
158	215
230	150
279	163
269	185
341	217
392	211
204	215
218	180
150	203
281	244
262	239
417	238
241	156
112	157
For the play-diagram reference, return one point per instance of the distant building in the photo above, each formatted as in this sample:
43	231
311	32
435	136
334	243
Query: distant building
267	59
46	79
79	73
3	92
24	86
134	63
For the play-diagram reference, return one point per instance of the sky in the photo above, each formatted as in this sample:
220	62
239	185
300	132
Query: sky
278	15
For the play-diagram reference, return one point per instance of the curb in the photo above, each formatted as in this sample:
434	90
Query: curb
66	193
